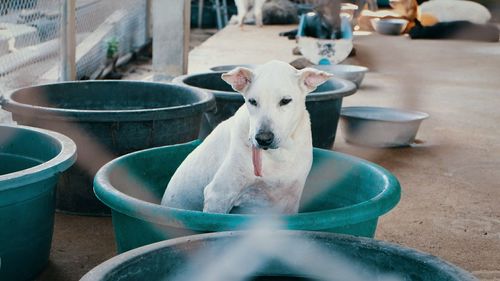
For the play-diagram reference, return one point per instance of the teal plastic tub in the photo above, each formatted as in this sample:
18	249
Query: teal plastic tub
30	162
275	255
343	194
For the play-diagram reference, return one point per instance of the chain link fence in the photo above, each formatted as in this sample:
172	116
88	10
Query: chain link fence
108	29
30	38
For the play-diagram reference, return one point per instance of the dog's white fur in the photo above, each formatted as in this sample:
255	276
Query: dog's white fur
244	7
218	175
454	10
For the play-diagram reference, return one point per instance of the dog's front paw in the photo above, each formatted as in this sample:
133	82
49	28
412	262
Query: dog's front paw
216	200
214	207
214	203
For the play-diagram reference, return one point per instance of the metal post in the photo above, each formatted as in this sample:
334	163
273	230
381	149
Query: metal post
218	15
149	20
224	11
68	40
171	23
200	13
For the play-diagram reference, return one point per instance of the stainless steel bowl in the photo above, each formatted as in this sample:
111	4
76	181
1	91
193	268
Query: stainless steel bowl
380	126
353	73
389	26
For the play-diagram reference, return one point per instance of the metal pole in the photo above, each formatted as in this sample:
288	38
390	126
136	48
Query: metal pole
171	23
218	14
68	40
224	11
149	20
200	13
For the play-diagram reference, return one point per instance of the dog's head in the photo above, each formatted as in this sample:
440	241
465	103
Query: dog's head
275	95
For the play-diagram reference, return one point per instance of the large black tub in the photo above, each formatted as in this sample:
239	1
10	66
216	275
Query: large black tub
107	119
275	255
323	104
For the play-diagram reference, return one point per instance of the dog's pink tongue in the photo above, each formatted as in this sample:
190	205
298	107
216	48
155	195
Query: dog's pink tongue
257	161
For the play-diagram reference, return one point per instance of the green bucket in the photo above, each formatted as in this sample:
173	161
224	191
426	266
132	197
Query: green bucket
343	194
286	255
30	162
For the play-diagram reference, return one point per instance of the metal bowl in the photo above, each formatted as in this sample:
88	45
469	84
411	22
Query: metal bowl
229	67
389	26
380	126
353	73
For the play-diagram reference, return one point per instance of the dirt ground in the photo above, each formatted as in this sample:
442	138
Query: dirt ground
450	180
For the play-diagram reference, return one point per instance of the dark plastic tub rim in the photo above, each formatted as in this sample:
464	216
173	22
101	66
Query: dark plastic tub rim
229	67
101	271
206	103
61	162
347	88
155	213
419	115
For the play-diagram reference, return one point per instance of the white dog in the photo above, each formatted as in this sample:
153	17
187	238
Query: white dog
259	158
244	7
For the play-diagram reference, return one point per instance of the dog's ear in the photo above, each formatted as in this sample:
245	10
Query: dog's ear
310	78
239	78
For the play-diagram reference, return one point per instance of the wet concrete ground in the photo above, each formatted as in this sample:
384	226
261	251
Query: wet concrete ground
451	184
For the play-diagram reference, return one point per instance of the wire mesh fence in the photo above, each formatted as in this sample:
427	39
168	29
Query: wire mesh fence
30	33
28	40
108	29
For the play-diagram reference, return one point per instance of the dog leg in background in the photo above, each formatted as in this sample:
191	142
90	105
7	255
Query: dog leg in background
257	10
242	7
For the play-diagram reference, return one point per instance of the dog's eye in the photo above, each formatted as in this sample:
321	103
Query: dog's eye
285	101
252	102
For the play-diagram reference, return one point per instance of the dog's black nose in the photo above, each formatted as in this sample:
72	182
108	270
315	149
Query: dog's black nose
264	139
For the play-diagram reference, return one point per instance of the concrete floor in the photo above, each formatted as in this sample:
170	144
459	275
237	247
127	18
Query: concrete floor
450	205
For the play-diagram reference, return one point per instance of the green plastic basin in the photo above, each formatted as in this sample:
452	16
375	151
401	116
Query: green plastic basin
343	194
275	255
30	162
